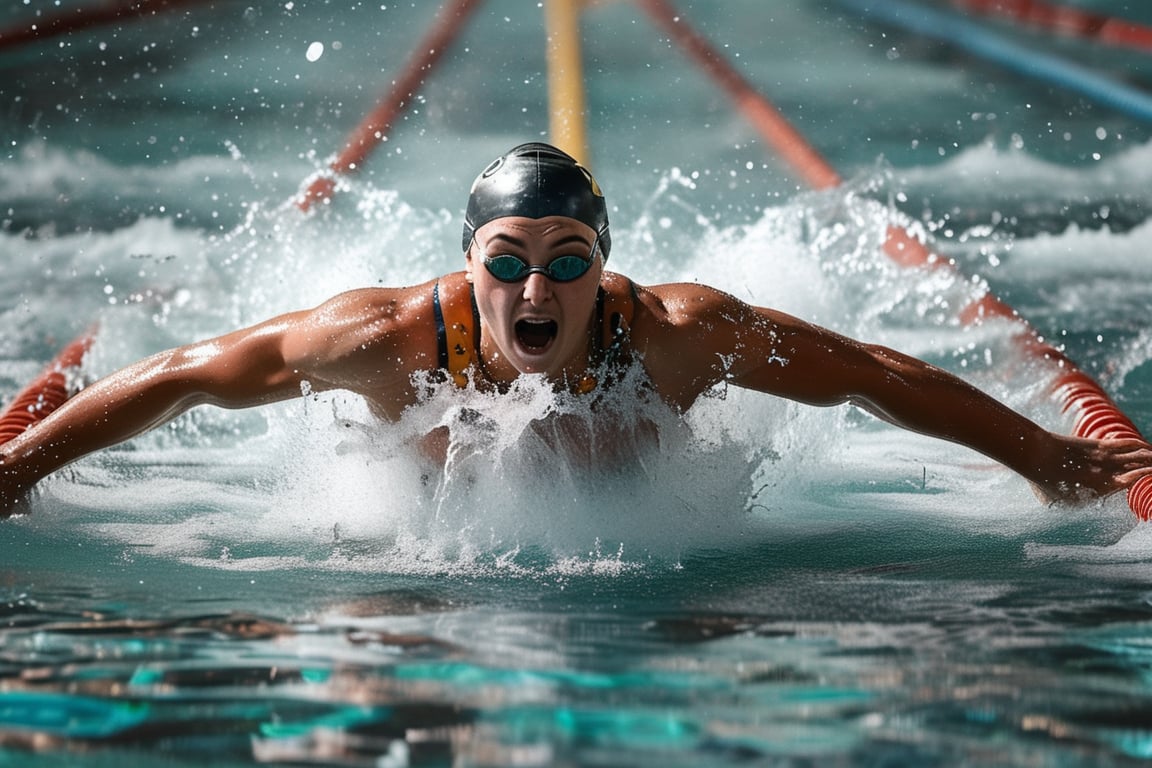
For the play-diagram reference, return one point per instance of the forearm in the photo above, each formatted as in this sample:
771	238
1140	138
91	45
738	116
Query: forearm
922	398
243	370
1061	468
110	411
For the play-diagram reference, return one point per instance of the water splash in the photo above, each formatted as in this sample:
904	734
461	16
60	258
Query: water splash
533	484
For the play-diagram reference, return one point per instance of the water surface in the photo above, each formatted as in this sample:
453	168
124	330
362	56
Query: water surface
776	585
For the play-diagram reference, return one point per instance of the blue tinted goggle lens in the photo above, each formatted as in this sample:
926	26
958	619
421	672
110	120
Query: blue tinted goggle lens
512	269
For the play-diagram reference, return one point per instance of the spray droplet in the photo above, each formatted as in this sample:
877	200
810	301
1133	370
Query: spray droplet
315	51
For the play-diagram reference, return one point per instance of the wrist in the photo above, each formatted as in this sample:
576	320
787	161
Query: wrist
1056	468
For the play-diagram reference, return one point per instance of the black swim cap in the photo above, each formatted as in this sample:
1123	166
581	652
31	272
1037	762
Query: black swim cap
537	180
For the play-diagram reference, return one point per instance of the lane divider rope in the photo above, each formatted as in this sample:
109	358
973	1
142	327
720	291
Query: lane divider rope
373	129
978	41
1065	20
87	16
46	392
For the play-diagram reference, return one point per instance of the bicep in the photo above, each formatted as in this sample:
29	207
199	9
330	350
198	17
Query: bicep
338	345
782	355
240	369
700	337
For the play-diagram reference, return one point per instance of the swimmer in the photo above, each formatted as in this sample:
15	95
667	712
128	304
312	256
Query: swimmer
534	298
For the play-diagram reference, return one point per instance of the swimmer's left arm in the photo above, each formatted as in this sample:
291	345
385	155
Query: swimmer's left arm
724	339
824	368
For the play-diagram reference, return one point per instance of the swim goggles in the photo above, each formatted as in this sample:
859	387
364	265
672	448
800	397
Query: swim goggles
563	269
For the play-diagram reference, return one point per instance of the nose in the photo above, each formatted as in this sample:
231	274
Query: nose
537	288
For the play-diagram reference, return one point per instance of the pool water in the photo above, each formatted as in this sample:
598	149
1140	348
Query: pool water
771	585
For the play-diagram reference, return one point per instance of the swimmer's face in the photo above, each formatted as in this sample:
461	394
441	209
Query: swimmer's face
536	324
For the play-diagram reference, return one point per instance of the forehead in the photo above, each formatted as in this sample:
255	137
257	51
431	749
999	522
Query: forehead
546	230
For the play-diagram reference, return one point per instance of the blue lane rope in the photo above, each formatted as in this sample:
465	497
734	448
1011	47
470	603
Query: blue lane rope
973	38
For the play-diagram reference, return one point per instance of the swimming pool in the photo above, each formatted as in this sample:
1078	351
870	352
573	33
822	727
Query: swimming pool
780	585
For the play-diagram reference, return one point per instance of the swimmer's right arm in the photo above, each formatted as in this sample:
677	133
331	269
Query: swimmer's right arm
366	341
240	369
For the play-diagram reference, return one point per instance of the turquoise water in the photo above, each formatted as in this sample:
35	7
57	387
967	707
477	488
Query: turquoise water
778	585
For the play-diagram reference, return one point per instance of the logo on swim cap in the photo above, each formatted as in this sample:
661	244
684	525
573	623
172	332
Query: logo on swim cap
537	180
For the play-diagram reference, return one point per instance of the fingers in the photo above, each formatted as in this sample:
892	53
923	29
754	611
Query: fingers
1092	468
1130	477
1132	463
1128	445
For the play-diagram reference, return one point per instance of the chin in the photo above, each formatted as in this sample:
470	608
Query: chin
534	368
532	360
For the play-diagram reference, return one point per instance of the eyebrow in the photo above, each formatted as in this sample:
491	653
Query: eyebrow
519	243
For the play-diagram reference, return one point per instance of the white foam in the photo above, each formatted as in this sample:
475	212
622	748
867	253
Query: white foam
1078	253
990	169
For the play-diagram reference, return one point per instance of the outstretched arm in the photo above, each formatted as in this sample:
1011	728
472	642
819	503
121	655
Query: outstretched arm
240	369
776	353
368	342
923	398
825	368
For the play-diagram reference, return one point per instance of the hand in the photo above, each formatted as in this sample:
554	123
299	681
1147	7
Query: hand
1084	469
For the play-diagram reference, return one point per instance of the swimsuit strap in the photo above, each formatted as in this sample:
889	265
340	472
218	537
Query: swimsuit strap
457	326
458	322
615	306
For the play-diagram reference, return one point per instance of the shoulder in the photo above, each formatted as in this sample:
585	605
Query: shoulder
717	318
686	335
368	304
687	305
691	336
361	328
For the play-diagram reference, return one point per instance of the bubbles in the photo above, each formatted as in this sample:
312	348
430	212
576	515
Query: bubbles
314	52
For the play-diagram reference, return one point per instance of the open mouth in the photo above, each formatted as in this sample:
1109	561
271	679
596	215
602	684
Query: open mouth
535	335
